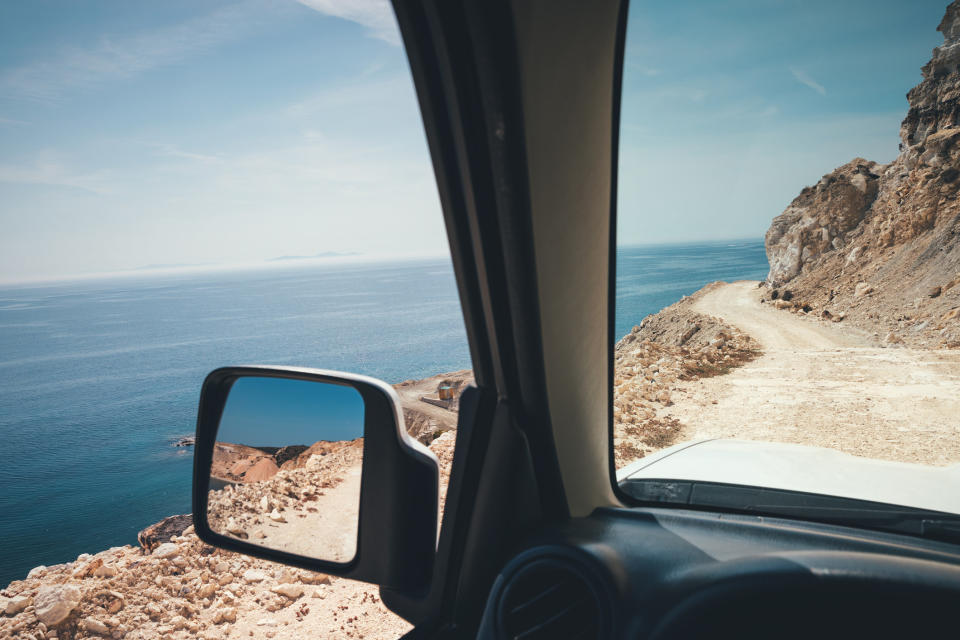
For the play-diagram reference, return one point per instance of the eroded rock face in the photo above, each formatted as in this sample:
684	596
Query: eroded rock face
819	219
894	229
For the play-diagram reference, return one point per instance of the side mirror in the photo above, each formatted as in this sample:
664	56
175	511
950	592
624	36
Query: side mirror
315	469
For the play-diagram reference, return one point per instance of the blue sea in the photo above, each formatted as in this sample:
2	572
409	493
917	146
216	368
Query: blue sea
99	378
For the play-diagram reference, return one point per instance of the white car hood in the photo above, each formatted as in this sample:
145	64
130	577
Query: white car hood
794	467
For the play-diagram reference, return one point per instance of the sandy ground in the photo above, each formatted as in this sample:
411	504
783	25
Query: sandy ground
327	529
824	384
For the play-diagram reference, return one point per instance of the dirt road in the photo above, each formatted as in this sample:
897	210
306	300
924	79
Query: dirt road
823	384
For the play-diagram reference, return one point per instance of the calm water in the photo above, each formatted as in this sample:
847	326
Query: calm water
98	378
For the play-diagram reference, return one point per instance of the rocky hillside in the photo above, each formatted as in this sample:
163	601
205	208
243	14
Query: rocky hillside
878	245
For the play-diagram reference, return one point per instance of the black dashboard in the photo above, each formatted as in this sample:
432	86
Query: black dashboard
672	573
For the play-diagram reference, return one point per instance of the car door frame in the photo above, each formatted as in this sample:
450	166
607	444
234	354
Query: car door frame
483	71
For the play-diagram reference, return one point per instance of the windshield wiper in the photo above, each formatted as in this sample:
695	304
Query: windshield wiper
762	501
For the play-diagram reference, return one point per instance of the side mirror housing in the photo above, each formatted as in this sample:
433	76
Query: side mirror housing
315	469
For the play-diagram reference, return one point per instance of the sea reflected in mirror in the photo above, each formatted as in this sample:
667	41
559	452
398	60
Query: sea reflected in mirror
286	467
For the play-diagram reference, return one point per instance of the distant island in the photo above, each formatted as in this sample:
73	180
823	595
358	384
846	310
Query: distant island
322	254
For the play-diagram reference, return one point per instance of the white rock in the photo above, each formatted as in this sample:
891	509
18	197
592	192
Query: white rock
862	289
36	571
226	614
254	575
222	567
105	571
266	622
234	529
54	604
264	503
292	591
13	606
166	550
276	517
93	625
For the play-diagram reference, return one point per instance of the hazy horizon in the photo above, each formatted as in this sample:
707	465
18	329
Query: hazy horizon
237	132
285	262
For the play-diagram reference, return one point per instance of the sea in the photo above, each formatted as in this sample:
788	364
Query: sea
100	378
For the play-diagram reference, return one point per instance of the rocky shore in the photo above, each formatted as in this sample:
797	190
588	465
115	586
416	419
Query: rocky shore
175	586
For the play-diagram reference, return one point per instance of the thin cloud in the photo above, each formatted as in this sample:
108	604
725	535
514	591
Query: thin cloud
118	58
173	151
375	15
56	175
804	78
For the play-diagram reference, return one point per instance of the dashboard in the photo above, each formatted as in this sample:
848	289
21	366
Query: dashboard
674	573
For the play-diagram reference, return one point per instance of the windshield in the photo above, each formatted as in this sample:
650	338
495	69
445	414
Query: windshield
788	260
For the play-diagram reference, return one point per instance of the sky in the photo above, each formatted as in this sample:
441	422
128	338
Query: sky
277	412
188	132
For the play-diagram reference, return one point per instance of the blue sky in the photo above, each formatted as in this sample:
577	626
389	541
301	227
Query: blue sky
139	133
273	412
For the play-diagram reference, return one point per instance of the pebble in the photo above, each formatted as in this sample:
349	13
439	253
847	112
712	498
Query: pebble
227	614
254	575
292	591
93	625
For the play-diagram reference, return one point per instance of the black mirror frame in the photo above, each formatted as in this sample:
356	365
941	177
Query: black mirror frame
399	484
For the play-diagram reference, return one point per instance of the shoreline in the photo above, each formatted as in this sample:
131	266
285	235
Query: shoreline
678	370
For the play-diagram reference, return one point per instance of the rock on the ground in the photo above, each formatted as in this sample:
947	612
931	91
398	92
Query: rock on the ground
292	591
254	575
163	531
92	625
13	606
54	604
166	550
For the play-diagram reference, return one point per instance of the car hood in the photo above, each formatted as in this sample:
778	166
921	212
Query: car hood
795	467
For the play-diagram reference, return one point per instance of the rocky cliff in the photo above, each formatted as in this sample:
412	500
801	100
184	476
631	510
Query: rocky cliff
879	245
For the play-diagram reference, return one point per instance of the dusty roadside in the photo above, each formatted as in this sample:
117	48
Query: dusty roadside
824	384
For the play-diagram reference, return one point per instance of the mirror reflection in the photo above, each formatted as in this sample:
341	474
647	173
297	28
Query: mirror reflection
286	467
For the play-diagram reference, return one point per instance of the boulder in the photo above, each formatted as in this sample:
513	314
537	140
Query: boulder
54	604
